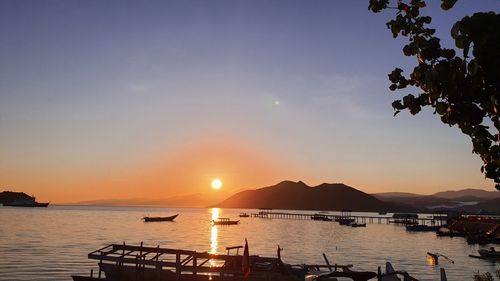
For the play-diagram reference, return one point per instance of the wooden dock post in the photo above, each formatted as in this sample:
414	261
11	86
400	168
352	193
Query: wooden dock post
327	262
178	266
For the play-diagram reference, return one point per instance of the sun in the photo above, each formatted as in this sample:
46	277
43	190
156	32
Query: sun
216	184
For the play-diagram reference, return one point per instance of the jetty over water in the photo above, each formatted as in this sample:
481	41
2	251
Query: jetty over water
402	218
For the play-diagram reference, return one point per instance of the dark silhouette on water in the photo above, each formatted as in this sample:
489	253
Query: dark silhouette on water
19	199
224	221
156	219
291	195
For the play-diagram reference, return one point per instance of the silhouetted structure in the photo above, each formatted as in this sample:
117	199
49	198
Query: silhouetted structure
157	219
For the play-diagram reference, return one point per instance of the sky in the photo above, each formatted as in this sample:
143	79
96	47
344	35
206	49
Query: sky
151	99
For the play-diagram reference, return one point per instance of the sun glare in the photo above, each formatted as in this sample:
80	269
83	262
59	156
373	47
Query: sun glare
216	184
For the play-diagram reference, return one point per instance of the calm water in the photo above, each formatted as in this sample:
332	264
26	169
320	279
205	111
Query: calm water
52	243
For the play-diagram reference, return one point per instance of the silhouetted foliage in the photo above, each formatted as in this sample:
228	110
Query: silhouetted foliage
462	88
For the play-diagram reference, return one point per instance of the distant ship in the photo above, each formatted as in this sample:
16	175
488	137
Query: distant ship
26	202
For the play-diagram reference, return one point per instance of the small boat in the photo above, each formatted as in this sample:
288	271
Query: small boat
358	224
244	215
154	219
482	239
382	213
320	217
224	221
489	253
345	221
394	275
404	218
446	232
346	273
421	227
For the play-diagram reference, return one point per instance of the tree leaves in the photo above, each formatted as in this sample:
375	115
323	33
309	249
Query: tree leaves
463	91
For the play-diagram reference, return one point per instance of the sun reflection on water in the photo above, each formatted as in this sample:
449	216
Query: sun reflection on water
213	232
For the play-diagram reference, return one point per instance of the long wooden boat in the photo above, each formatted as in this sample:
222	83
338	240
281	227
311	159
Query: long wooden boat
358	224
154	219
224	221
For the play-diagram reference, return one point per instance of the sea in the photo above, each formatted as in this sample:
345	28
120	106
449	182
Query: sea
52	243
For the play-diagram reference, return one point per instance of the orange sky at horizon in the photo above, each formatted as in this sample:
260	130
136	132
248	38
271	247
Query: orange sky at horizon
189	167
184	170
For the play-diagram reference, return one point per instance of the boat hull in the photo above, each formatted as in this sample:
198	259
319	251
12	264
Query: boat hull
489	254
421	228
36	204
157	219
132	273
225	222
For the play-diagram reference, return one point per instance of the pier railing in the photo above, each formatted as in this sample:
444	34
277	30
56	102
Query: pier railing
121	259
429	220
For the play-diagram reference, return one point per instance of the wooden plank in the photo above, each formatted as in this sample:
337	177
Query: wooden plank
187	260
133	261
152	249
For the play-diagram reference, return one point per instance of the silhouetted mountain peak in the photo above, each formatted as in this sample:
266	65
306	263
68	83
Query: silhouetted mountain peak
300	196
287	185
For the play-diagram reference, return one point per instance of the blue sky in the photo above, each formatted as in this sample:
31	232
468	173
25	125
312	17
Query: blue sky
90	89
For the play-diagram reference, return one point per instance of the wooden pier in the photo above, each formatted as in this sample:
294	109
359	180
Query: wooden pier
432	219
132	263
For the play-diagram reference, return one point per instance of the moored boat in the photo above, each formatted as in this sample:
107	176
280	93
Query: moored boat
244	215
155	219
320	217
26	202
404	218
446	232
421	227
358	224
224	221
489	253
346	273
345	221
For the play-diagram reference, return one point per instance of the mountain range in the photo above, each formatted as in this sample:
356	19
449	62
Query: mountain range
326	196
299	196
466	200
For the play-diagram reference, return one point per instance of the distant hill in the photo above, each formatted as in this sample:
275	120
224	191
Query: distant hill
189	200
10	196
466	200
299	196
469	192
386	195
